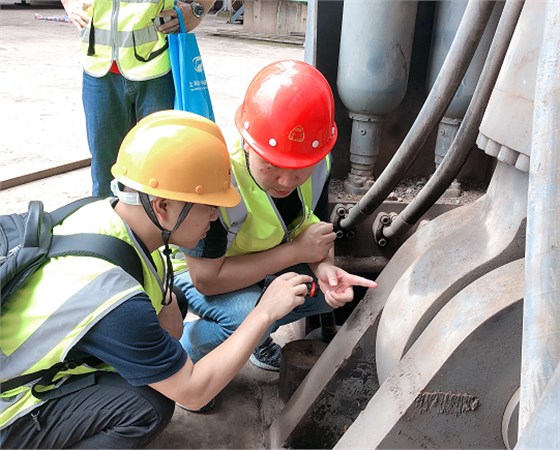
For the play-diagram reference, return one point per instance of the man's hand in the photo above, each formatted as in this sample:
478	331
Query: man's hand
282	295
170	318
171	23
337	284
314	243
191	22
76	10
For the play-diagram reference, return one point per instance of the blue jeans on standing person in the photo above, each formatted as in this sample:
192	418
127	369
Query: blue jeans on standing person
220	315
112	106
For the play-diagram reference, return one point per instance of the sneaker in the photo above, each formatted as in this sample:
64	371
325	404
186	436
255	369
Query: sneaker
267	356
206	408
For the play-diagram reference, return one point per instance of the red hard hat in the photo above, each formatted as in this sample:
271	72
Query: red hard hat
287	115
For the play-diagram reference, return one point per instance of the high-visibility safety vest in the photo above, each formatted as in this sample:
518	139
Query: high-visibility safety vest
60	302
124	31
255	224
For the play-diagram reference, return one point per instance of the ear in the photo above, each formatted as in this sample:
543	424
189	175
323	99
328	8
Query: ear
161	210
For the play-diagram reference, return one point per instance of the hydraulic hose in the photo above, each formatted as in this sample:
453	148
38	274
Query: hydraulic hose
465	140
470	31
541	308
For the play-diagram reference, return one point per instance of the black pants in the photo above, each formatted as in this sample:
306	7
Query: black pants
109	413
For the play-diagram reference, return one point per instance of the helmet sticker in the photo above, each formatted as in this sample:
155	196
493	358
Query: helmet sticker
297	134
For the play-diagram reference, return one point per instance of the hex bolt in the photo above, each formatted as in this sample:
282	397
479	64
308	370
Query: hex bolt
385	219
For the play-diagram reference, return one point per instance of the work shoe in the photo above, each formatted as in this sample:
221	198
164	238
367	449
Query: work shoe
205	409
267	356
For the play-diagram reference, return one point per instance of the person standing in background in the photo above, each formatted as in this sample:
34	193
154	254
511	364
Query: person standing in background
126	69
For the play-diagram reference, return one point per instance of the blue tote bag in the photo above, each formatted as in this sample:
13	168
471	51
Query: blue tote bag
191	88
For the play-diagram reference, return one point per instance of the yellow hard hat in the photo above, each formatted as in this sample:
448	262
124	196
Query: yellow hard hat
177	155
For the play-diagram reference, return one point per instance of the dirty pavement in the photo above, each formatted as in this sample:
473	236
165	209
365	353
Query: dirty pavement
43	126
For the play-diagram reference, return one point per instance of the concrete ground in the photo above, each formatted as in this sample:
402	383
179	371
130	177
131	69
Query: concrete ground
41	118
42	125
241	416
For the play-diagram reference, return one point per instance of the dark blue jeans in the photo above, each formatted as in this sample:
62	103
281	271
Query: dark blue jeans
220	315
112	106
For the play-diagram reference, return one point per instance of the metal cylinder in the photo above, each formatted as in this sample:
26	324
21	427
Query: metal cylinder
298	357
448	16
373	67
364	150
541	311
447	130
447	19
374	56
466	136
453	70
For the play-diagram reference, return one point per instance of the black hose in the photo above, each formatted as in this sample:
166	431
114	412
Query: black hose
465	140
470	31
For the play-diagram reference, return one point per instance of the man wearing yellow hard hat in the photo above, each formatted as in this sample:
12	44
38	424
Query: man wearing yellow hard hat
118	366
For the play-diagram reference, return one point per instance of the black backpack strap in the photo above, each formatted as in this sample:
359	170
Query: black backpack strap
45	376
108	248
58	215
33	224
21	380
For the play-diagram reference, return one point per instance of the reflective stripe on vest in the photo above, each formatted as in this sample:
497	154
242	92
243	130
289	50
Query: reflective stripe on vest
254	224
60	302
60	325
124	31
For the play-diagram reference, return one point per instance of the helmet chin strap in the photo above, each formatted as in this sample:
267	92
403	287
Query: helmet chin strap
248	165
165	235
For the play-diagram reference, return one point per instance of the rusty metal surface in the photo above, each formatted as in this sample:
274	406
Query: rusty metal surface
352	351
298	357
470	351
493	237
45	173
358	250
344	397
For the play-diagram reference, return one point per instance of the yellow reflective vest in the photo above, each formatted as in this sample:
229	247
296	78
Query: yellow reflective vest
124	31
61	301
255	224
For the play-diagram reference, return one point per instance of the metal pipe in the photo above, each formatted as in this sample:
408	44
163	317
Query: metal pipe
543	431
541	307
45	173
452	72
464	141
373	67
361	264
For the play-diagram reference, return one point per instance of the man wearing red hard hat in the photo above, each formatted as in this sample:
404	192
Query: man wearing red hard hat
281	168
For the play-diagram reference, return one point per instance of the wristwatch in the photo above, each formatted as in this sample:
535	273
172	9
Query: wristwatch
196	8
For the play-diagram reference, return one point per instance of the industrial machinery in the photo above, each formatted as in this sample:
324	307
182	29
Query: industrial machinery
459	346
